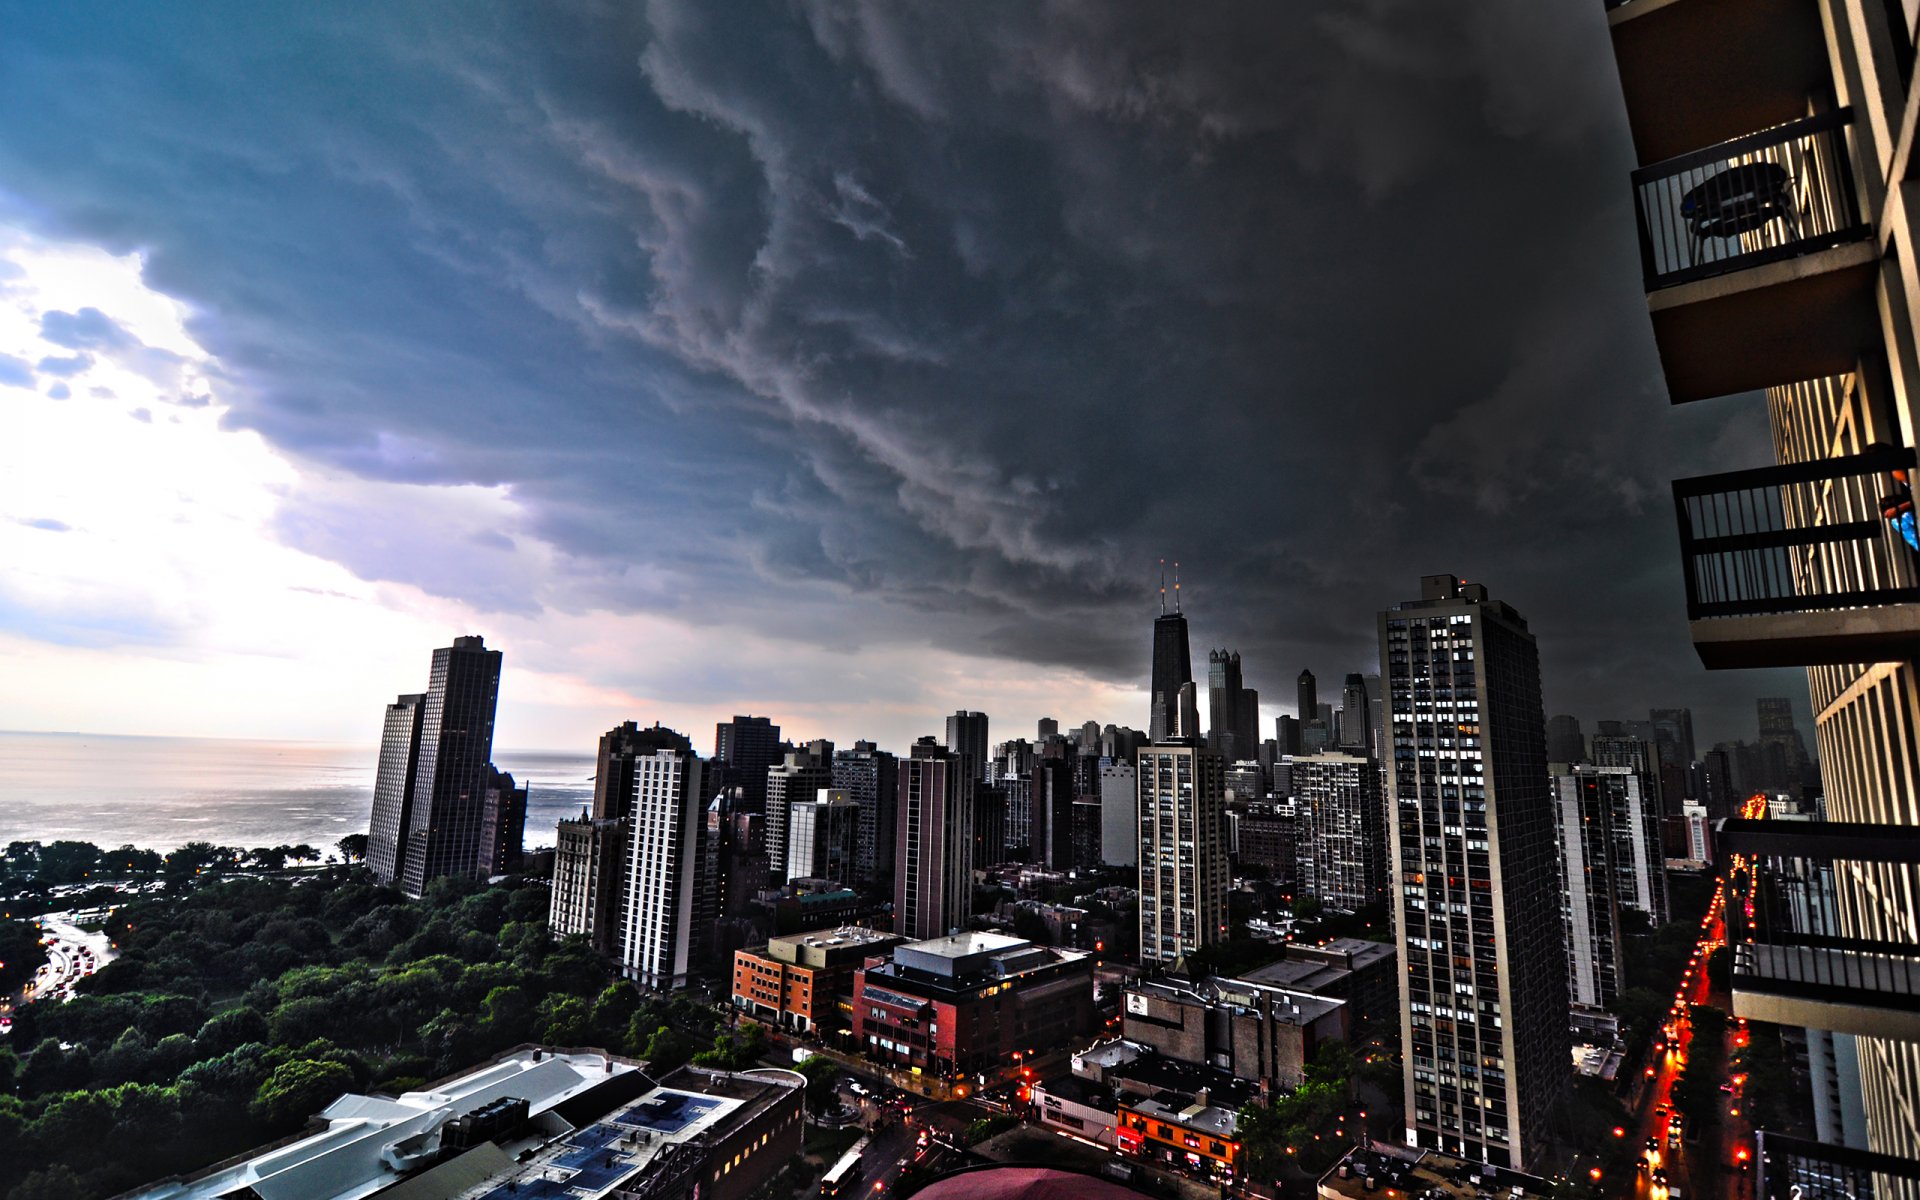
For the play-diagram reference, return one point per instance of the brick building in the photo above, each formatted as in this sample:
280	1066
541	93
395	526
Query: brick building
970	1003
1250	1030
796	981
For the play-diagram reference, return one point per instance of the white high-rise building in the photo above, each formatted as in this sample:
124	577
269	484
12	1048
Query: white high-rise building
1584	800
663	860
1184	870
1342	842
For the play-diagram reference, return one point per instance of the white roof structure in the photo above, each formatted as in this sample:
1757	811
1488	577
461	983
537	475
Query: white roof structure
371	1142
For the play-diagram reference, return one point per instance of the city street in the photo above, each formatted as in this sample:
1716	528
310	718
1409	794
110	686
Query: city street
1671	1161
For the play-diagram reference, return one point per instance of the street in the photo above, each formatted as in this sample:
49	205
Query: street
1673	1161
72	952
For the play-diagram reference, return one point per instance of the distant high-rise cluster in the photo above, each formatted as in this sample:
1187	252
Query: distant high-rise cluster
439	806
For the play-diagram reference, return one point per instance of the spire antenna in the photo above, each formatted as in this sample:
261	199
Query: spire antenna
1176	585
1163	587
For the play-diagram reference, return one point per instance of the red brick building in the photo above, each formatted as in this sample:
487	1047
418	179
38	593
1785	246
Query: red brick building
970	1004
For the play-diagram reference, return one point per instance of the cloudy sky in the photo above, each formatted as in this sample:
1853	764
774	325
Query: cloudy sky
844	362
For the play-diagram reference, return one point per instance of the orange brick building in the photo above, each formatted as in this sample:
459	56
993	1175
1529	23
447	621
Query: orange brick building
796	981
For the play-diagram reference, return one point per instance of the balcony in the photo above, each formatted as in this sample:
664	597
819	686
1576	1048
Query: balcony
1696	72
1804	1170
1846	985
1794	565
1759	262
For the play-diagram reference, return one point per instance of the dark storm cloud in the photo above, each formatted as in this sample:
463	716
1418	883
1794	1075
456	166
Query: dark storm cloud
866	322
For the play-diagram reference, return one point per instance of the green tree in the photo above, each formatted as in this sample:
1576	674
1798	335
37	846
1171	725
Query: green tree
300	1088
666	1049
353	847
821	1074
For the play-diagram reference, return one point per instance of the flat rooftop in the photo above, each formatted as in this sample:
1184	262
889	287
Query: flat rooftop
961	945
1424	1172
373	1142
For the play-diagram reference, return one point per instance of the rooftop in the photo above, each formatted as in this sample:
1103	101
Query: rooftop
372	1142
960	945
1424	1173
846	935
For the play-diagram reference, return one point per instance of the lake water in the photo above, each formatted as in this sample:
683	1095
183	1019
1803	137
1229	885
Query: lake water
161	792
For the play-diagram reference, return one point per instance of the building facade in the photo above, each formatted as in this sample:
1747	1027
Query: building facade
664	857
1184	869
933	850
1809	561
970	1004
1476	884
393	787
1343	842
1583	804
799	981
823	837
870	778
1172	671
1119	814
589	863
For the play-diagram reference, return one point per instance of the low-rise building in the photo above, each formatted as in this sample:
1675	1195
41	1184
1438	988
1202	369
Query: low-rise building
1253	1031
1179	1113
1368	1173
971	1004
533	1122
1363	973
795	981
1076	1106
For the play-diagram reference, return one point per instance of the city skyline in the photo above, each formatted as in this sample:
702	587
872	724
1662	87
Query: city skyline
357	419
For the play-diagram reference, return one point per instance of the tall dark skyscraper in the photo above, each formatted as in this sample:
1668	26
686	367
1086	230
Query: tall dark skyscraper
1307	697
613	769
1475	877
1355	717
933	847
1565	742
444	830
1674	727
967	739
1172	670
393	787
743	749
1233	710
1172	664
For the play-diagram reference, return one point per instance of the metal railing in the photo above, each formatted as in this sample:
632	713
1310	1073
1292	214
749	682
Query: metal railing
1817	967
1792	1168
1801	537
1767	196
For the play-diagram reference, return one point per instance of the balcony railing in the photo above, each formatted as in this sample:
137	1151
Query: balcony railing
1773	195
1797	538
1833	969
1796	1169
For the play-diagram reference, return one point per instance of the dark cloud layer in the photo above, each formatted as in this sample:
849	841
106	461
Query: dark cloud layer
865	322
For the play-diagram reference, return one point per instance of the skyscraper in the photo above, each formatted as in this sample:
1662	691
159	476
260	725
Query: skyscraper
1343	849
743	749
1307	697
802	773
1172	669
1674	727
1232	711
1628	769
393	787
933	851
1053	797
1476	883
613	769
1355	719
1565	742
822	837
452	767
967	739
870	778
665	852
1046	728
1589	896
1119	814
1184	869
589	865
503	824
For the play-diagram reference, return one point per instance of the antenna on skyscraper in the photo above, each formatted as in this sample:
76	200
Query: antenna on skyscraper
1176	585
1163	587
